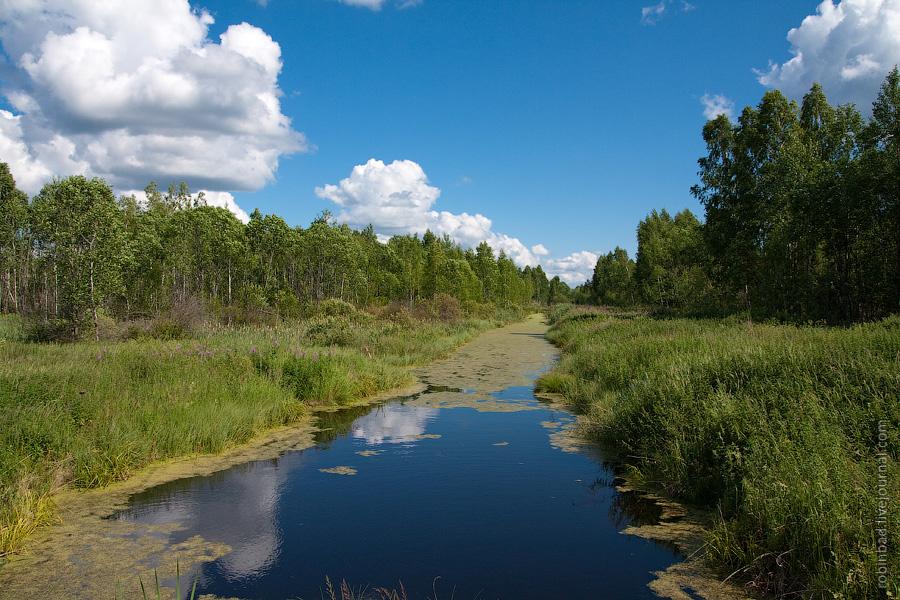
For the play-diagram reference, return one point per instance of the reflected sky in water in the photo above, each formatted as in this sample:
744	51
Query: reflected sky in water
393	424
479	499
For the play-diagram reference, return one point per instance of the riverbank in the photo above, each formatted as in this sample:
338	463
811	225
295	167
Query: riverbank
789	434
86	415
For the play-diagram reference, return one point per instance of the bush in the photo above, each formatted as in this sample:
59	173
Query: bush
335	307
43	330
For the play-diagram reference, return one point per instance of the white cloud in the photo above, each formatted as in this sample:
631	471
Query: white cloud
574	269
715	105
226	200
651	15
136	91
848	47
213	198
377	4
397	199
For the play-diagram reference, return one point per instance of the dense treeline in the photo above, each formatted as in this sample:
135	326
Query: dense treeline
802	218
75	255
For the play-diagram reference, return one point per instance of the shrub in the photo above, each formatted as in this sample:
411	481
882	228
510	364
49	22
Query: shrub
335	307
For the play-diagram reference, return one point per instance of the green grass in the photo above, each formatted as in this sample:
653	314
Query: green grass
89	414
791	433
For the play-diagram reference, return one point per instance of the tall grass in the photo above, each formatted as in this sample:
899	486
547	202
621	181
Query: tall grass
88	414
791	433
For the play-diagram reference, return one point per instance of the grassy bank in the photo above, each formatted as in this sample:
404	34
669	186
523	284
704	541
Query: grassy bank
791	433
89	414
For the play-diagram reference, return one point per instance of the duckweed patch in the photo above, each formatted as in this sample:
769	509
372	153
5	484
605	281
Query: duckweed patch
340	470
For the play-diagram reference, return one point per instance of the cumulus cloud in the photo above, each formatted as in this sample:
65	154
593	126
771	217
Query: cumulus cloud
136	91
397	199
717	104
848	47
212	198
574	269
226	200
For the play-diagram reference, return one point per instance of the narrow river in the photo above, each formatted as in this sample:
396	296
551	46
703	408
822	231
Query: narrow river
470	488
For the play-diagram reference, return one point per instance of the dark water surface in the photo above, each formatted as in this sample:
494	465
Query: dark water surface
403	492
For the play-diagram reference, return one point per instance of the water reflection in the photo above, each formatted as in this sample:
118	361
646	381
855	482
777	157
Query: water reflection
393	424
487	504
239	508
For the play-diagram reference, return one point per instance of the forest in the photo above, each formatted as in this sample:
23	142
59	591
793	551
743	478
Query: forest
75	257
802	219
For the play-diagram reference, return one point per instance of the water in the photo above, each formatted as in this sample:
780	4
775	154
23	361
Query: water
455	502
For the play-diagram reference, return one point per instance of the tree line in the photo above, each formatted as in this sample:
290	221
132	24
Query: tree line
75	254
802	218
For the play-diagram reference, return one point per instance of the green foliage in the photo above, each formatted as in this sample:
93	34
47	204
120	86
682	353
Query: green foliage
75	258
671	265
785	430
802	209
78	228
14	241
318	379
613	282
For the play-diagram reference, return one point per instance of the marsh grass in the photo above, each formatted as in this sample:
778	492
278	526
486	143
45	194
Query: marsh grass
89	414
348	592
780	428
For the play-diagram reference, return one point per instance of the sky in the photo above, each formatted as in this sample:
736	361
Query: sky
549	129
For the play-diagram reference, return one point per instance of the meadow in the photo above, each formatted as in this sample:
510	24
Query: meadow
92	413
790	433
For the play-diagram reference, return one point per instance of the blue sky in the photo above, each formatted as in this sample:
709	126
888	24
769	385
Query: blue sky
549	128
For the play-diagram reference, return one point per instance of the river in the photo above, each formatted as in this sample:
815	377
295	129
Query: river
467	487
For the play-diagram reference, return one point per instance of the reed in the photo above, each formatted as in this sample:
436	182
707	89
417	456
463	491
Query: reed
791	433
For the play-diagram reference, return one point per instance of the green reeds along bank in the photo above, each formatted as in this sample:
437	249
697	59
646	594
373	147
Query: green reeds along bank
791	433
89	414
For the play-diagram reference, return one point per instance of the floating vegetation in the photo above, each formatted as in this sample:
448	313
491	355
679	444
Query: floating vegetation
340	470
370	452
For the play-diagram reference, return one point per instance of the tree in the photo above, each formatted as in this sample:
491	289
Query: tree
486	269
669	269
80	233
14	250
883	167
613	280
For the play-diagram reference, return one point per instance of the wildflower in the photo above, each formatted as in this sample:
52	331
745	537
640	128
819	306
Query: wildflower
275	342
99	357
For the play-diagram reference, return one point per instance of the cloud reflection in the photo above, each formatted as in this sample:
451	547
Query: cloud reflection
393	424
